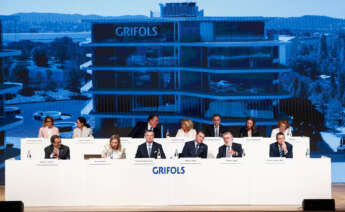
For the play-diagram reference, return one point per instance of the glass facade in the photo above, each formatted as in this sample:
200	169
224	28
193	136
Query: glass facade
191	80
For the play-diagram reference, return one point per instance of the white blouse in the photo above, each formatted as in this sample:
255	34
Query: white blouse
287	133
190	134
114	154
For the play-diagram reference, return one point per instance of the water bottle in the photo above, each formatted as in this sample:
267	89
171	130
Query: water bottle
307	153
176	154
28	155
243	153
159	154
167	135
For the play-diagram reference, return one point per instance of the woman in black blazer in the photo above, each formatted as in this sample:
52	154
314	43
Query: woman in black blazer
250	129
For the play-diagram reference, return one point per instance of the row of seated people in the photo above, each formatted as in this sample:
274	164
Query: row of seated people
216	130
152	149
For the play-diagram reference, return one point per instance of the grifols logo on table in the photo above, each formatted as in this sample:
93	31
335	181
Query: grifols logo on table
168	170
137	31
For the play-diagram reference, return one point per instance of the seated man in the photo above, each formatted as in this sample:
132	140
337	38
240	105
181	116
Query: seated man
281	148
215	130
56	149
229	149
140	128
150	149
195	148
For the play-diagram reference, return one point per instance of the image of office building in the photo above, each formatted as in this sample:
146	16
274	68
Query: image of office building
181	64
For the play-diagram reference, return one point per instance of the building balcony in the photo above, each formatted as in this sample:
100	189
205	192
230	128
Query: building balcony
10	87
260	43
9	53
178	116
277	68
9	121
250	94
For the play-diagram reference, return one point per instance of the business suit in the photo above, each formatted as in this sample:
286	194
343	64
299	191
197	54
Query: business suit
235	147
64	153
244	133
142	151
189	150
209	130
139	130
274	150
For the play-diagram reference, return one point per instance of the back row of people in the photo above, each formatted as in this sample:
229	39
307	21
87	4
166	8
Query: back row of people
214	130
187	129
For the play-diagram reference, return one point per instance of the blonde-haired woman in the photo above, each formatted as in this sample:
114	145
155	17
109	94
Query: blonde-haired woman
186	130
114	149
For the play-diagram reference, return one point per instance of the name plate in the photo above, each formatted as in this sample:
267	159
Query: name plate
275	161
232	161
253	139
144	161
34	141
190	161
85	140
176	140
212	139
47	162
99	162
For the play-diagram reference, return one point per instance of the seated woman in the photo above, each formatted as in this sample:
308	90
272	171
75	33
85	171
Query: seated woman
186	130
48	129
283	127
114	149
250	129
83	129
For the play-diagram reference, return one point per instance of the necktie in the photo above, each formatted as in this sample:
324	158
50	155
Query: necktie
217	131
150	149
196	149
228	154
280	151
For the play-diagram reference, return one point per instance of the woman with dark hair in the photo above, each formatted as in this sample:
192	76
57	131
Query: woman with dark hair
83	129
48	129
250	129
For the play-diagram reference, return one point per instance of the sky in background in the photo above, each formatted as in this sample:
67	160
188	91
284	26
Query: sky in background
281	8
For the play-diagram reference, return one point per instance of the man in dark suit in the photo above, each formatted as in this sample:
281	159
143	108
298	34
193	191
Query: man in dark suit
56	149
281	148
195	148
215	130
152	124
150	149
229	149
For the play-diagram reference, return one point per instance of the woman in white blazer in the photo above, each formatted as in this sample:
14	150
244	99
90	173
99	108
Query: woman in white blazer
186	130
83	129
284	127
114	149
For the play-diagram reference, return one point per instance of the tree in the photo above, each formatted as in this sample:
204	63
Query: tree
75	79
334	113
40	56
51	84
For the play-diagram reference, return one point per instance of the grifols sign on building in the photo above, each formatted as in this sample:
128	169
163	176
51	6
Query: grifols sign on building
136	31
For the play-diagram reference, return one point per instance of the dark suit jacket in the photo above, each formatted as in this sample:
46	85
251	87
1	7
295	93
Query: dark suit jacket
244	133
143	153
235	146
209	130
189	150
63	152
139	130
274	150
